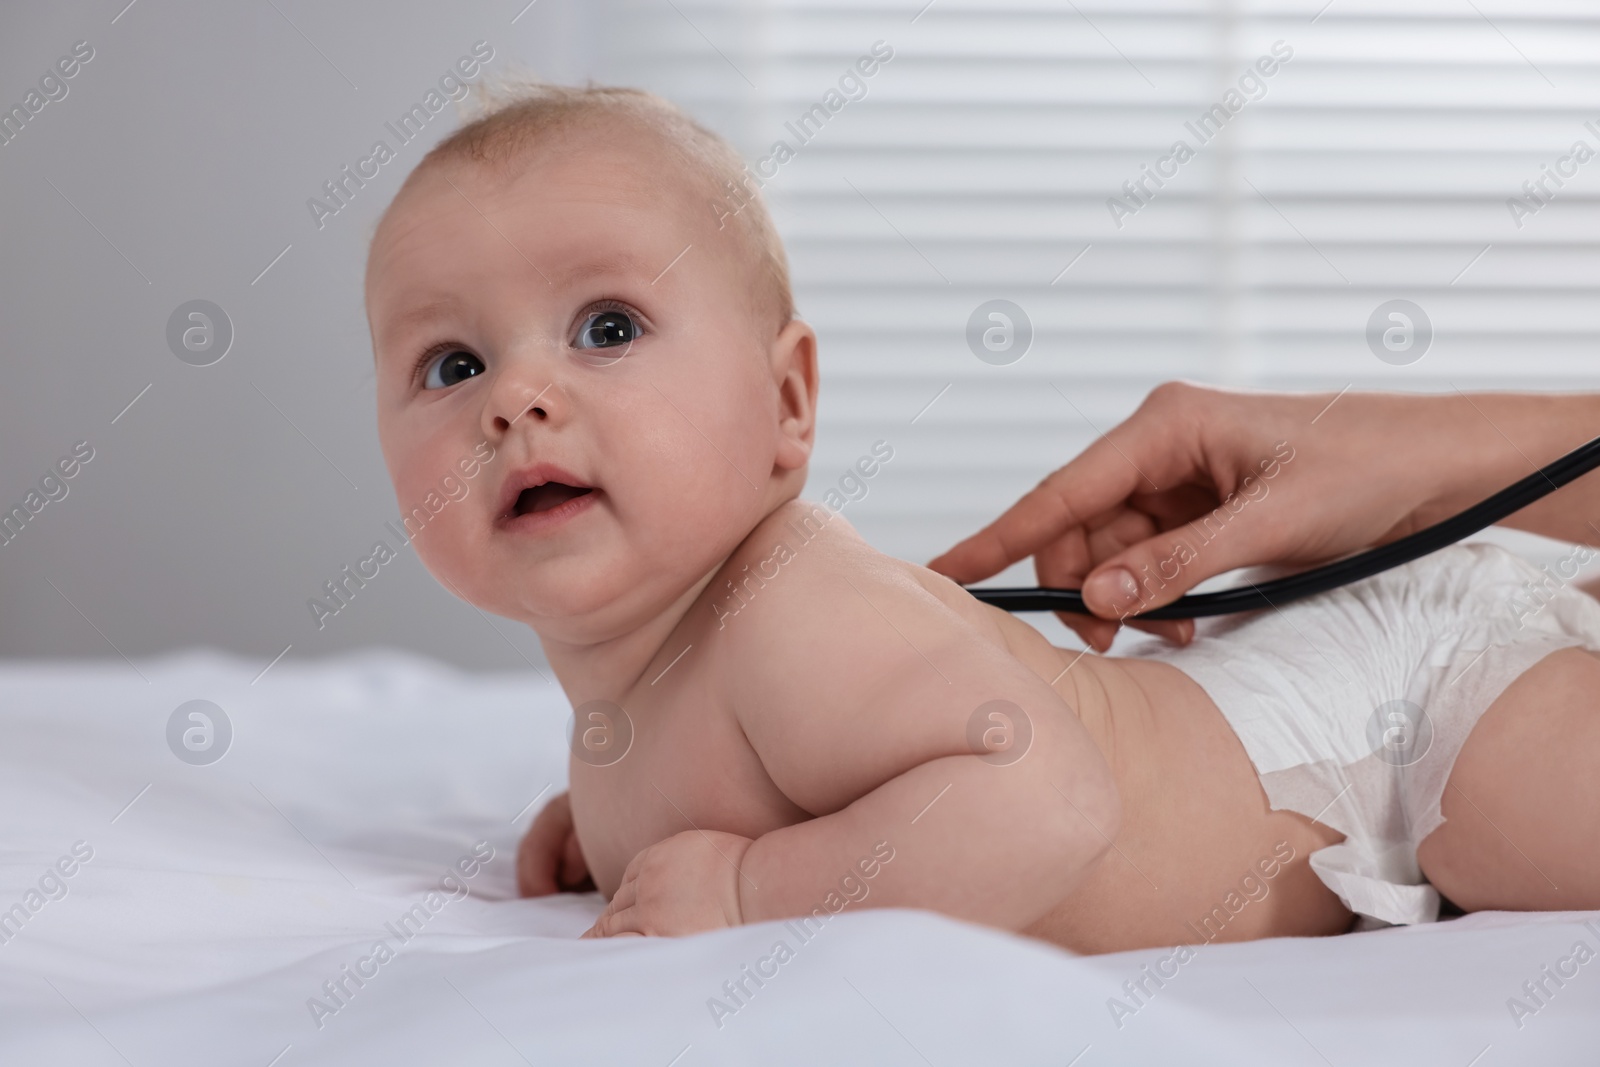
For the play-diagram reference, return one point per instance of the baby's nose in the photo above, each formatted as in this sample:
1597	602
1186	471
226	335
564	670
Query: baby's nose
517	401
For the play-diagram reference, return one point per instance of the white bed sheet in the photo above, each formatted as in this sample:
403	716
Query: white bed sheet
218	903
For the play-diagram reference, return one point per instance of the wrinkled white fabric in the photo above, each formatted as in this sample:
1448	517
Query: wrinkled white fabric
1311	688
216	905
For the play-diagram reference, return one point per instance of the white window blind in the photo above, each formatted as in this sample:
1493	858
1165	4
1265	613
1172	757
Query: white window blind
1374	164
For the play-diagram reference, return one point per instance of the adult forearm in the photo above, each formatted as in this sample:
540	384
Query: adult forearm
1486	441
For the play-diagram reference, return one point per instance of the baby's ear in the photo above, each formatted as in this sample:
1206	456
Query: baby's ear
794	371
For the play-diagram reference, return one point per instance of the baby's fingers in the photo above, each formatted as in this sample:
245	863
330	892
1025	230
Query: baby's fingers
540	853
537	861
574	872
616	922
626	896
623	902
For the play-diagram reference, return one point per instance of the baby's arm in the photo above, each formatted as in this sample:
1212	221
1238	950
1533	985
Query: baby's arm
856	687
550	860
872	731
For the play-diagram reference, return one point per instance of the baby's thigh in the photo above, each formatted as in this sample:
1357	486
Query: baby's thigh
1522	804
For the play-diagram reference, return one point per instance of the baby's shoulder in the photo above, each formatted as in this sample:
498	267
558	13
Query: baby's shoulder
783	573
800	562
841	665
806	602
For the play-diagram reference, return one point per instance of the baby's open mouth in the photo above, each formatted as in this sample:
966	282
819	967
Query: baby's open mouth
537	498
544	494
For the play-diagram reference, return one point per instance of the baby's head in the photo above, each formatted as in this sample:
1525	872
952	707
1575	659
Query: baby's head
569	286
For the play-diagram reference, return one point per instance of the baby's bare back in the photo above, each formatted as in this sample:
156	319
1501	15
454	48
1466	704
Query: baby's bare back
1200	856
780	700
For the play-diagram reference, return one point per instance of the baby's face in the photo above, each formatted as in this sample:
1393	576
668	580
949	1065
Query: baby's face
550	312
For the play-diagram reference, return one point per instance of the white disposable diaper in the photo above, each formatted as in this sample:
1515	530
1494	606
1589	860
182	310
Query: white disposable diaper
1354	704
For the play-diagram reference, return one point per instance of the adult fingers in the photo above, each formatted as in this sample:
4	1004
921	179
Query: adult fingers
1160	569
1126	528
1064	563
1178	631
1099	634
1098	479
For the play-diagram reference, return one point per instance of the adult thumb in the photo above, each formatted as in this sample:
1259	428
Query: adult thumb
1160	569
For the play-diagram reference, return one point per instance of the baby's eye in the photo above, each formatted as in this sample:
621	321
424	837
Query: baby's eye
606	329
451	368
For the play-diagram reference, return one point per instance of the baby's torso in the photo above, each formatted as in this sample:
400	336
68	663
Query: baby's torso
1196	833
1199	856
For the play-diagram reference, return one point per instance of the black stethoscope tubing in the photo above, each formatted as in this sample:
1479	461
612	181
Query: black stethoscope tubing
1279	591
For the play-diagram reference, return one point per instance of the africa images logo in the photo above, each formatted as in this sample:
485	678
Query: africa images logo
342	188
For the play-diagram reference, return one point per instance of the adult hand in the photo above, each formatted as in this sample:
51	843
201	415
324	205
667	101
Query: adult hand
549	859
1199	481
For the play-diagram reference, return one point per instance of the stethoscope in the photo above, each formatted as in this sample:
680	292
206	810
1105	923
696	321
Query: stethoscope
1279	591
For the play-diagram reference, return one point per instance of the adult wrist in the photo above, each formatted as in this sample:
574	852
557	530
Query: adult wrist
1483	442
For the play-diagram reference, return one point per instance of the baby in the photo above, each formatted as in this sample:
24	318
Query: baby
776	720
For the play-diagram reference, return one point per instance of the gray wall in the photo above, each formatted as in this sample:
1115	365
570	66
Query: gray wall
179	164
177	167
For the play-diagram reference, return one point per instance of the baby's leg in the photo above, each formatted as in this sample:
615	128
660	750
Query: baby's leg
1523	801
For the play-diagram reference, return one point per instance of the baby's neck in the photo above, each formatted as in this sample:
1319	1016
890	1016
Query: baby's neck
610	668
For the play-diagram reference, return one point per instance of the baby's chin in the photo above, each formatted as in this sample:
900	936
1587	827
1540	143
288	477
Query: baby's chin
587	601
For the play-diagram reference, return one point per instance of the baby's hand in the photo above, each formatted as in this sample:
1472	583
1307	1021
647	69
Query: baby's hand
683	885
549	859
